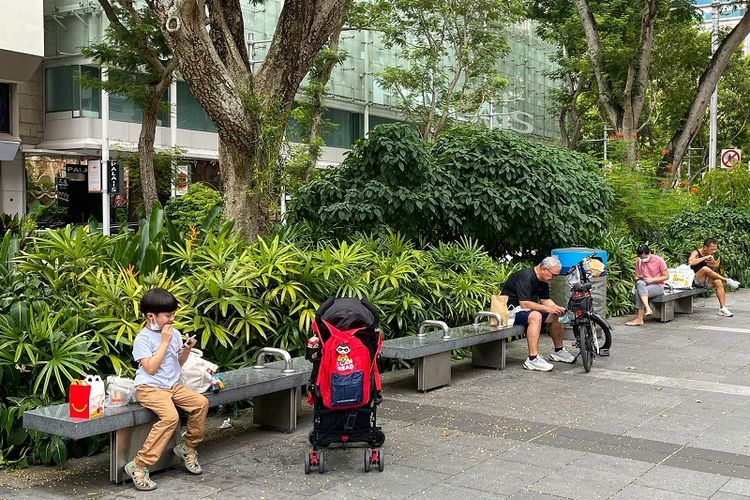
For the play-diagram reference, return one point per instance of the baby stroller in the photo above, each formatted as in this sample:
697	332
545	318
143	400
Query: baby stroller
345	382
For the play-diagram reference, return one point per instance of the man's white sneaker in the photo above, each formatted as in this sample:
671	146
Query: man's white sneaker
563	356
725	312
538	364
733	284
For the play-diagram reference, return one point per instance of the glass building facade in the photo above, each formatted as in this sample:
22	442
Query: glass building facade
353	89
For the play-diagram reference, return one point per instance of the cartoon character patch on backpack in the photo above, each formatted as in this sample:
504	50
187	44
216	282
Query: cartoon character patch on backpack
343	361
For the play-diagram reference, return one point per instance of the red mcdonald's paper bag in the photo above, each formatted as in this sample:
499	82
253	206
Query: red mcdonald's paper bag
78	399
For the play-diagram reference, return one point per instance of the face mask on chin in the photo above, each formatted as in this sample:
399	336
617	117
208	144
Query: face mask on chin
644	259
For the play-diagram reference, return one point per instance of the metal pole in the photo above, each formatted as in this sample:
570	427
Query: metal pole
715	95
173	124
368	70
105	155
604	139
492	116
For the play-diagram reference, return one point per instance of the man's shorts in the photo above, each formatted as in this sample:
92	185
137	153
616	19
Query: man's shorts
522	318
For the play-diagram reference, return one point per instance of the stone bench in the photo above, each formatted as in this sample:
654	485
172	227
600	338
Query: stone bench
432	351
674	301
274	387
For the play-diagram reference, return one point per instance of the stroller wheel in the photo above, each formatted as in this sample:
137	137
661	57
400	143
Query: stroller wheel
321	463
307	463
368	457
381	465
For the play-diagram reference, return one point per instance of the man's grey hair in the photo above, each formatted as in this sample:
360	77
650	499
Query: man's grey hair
550	263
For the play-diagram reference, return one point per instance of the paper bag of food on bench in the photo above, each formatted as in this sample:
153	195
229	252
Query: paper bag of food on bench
499	305
86	397
680	277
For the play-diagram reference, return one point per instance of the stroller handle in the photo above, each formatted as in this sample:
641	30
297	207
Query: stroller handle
260	362
487	314
430	322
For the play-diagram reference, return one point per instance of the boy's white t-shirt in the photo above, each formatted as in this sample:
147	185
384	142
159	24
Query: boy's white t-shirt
145	345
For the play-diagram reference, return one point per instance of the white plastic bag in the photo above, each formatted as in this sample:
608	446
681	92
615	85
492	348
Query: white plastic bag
680	277
120	391
197	372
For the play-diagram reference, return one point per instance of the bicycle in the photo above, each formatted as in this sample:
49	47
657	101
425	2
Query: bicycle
585	319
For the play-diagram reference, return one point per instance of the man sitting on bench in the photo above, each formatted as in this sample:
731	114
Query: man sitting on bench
529	289
705	266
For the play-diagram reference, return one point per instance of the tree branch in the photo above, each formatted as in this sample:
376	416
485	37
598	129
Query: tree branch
595	50
303	27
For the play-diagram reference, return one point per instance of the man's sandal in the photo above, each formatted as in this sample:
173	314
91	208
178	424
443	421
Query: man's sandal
140	477
190	457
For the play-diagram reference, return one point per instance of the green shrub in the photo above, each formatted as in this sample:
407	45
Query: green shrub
192	208
729	226
388	179
503	191
729	188
639	204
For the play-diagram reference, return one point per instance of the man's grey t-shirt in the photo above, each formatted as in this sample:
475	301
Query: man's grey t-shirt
145	345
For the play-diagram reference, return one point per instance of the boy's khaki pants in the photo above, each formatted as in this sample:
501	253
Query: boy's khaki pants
163	402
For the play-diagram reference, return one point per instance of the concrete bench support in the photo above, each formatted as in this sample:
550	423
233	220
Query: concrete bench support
677	301
278	410
489	355
125	443
433	371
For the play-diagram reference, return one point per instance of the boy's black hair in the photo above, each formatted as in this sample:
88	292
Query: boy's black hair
709	241
642	250
158	300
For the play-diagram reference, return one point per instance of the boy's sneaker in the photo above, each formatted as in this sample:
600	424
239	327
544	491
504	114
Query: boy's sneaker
733	284
563	356
140	477
190	456
725	312
538	364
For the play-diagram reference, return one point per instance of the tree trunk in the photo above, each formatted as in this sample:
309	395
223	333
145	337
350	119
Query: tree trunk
146	153
243	197
683	136
612	110
317	107
622	116
249	110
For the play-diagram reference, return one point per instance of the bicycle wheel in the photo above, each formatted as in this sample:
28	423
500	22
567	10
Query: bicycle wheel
603	333
587	347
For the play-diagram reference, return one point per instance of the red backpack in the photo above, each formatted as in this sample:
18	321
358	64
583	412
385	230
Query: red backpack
347	371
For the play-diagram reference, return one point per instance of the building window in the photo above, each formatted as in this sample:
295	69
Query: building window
342	128
190	114
63	92
5	108
124	109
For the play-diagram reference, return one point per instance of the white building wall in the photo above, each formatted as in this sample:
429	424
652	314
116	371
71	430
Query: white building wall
12	187
21	39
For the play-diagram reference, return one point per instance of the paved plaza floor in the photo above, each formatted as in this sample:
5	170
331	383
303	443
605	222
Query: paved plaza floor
667	415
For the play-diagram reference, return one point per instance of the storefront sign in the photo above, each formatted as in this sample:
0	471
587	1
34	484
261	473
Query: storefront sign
95	176
114	177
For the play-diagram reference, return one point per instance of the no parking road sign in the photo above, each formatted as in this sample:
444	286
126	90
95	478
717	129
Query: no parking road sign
730	157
